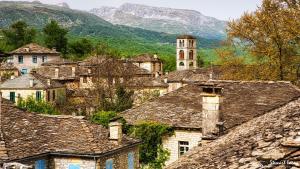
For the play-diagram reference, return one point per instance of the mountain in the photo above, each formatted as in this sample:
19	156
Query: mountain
173	21
80	23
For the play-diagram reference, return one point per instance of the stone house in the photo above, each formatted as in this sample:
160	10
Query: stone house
7	71
64	71
31	56
201	112
33	85
180	78
149	62
63	142
269	141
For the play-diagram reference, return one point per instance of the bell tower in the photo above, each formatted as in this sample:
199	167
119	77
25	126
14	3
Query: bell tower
186	57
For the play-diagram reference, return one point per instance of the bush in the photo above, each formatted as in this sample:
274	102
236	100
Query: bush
41	106
103	117
151	152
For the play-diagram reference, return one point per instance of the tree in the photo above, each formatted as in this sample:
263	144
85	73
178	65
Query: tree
55	37
271	34
37	106
151	152
19	34
81	48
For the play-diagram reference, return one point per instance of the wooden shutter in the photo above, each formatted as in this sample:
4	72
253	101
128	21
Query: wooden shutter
109	164
131	160
40	164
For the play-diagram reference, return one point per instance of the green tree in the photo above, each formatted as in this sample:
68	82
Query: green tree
37	106
271	34
122	102
55	37
81	48
151	152
19	34
103	117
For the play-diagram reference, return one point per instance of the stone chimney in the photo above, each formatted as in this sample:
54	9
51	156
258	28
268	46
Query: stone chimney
73	71
156	74
155	56
49	82
166	80
56	72
211	114
89	71
115	131
12	77
31	82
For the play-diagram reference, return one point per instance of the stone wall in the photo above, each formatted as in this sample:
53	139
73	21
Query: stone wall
172	143
120	160
27	61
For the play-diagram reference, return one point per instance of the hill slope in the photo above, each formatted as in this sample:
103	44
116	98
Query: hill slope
80	23
173	21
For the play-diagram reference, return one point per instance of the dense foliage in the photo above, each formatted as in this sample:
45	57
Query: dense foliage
37	106
271	35
19	34
123	101
151	152
103	117
55	37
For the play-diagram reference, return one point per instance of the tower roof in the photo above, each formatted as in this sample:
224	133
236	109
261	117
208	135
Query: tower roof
186	37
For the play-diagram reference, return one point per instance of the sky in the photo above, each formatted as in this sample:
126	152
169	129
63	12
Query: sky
220	9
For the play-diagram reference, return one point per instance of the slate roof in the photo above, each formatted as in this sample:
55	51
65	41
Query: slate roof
186	37
34	49
7	66
114	67
64	72
23	82
27	134
142	82
145	58
274	136
59	62
193	75
243	101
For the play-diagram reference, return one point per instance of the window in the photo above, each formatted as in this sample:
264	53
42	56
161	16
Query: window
109	164
34	59
44	59
48	95
12	97
84	79
10	59
131	160
191	55
183	147
53	95
181	55
24	71
20	59
181	64
183	43
40	164
38	95
74	166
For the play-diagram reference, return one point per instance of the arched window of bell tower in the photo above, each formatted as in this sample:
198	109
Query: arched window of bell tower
181	55
191	55
181	64
182	43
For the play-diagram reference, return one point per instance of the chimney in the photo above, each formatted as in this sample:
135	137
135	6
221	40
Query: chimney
31	81
12	77
155	56
49	82
54	49
211	76
89	71
115	131
56	72
211	114
73	71
166	80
